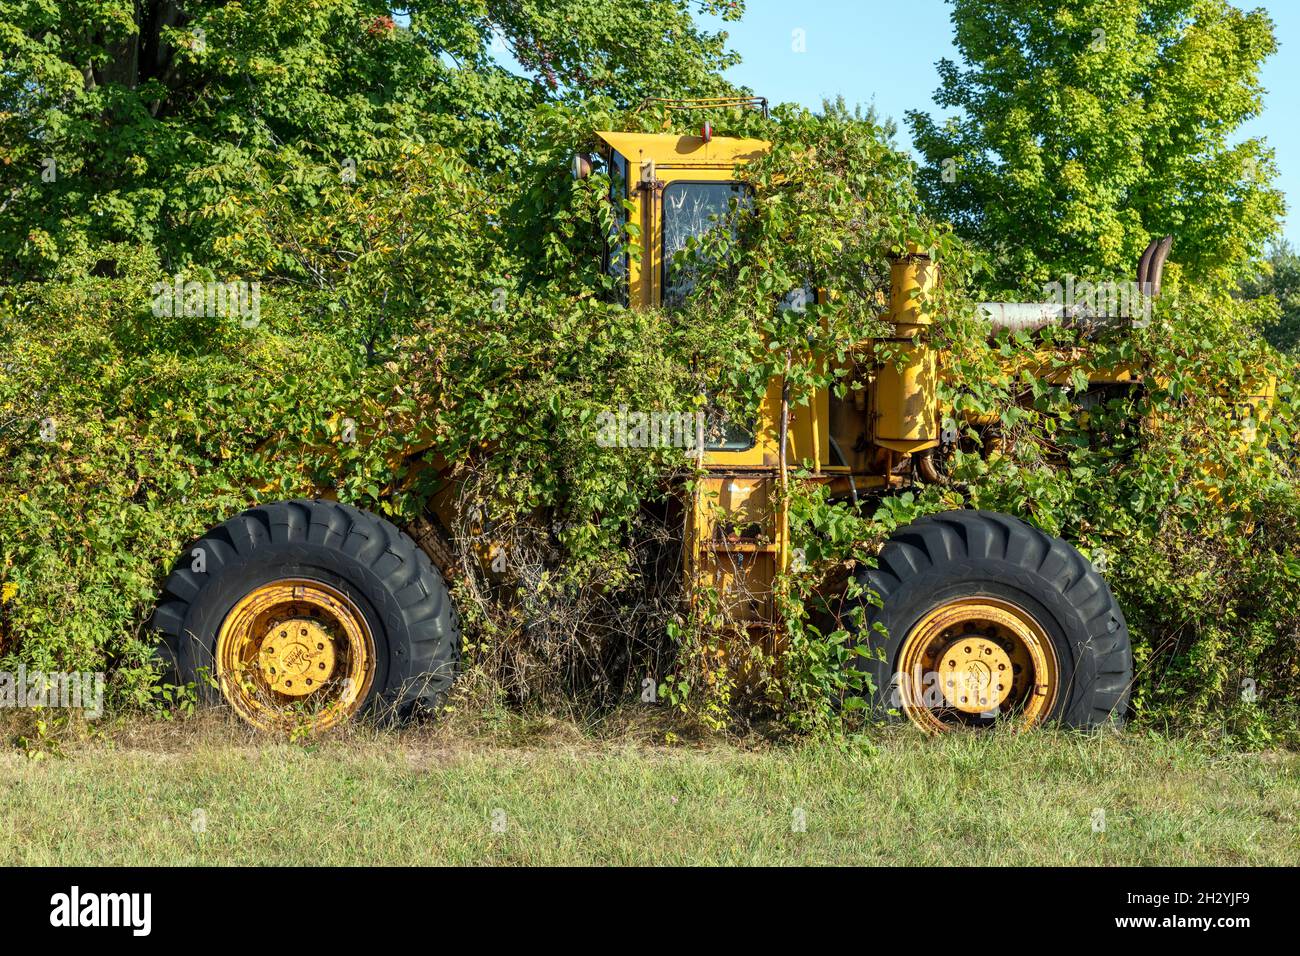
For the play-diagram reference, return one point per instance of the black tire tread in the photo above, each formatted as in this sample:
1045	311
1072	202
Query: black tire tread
956	538
426	654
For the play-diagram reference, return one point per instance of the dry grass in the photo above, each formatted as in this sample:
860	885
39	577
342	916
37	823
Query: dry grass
136	792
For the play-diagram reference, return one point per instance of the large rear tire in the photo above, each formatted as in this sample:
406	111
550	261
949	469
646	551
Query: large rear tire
986	619
306	613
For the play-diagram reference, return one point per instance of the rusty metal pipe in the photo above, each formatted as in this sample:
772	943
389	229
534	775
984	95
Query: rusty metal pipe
1144	264
924	462
1158	264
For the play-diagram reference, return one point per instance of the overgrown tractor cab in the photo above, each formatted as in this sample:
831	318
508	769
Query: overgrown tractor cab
680	187
313	611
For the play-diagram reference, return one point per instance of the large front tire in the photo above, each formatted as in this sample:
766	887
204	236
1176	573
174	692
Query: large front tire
306	613
987	619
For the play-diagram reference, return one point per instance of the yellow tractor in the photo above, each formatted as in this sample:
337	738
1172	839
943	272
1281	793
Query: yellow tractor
313	611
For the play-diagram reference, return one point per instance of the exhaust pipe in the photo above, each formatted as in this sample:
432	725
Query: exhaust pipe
1144	264
1157	269
1023	316
1032	316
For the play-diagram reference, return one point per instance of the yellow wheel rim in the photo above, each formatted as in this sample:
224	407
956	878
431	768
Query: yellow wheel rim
295	654
975	661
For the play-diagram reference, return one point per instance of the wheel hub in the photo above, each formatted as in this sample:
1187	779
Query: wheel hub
294	653
976	659
297	657
975	674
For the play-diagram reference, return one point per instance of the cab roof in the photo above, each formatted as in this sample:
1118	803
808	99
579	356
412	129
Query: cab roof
670	149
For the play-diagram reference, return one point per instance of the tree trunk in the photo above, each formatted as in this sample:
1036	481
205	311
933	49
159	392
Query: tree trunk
144	55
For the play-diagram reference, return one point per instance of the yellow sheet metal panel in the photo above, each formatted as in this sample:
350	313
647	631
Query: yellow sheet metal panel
669	149
735	541
907	401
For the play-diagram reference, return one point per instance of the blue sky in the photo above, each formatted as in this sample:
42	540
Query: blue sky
871	51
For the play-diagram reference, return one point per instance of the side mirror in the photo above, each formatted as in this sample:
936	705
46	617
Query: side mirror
581	166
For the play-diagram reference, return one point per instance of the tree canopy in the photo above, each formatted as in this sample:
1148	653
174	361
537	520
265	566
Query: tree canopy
1084	128
131	120
1280	279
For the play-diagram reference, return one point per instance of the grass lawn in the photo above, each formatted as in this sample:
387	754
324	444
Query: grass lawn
205	792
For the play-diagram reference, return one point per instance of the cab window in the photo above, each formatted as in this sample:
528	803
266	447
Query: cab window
616	252
691	210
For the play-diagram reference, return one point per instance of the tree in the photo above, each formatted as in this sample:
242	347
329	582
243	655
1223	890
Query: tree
129	120
1280	279
1087	127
